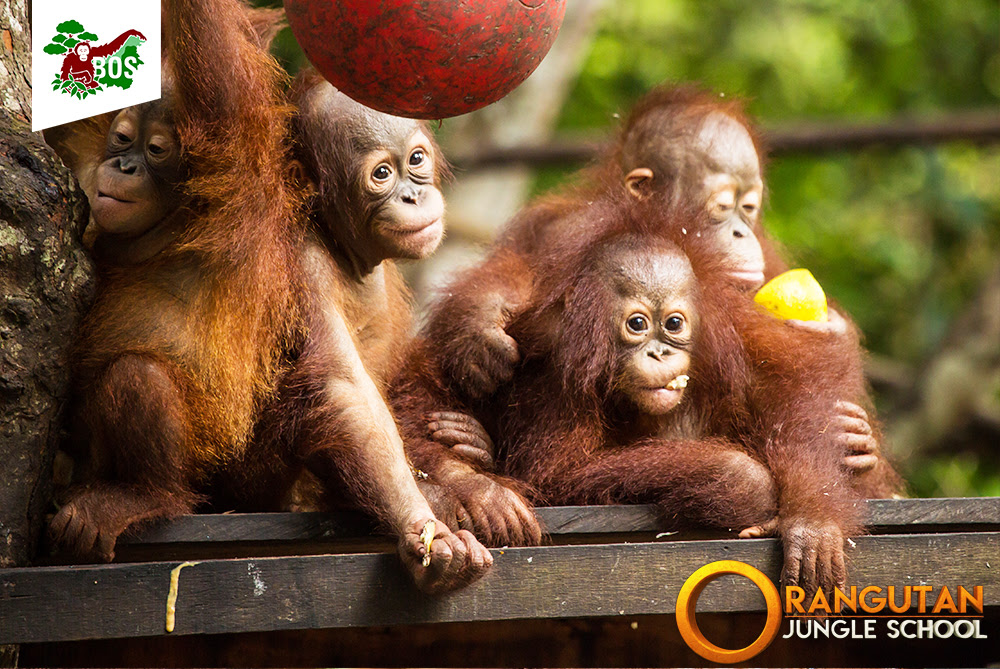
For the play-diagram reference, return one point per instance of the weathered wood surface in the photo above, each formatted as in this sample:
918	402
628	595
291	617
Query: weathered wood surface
329	591
255	527
905	515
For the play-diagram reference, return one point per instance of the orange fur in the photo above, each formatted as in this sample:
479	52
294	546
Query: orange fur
192	340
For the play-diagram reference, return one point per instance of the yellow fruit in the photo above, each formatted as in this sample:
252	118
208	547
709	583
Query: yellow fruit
794	294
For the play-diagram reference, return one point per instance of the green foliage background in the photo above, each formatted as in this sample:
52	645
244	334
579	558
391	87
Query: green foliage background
910	229
901	237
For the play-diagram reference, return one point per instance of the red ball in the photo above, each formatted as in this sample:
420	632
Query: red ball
425	58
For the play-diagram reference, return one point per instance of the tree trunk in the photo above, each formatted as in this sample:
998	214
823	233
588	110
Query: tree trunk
15	59
45	285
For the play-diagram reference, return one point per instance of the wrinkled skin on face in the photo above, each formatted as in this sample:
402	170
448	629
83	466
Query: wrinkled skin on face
391	206
398	177
716	164
732	189
137	185
654	321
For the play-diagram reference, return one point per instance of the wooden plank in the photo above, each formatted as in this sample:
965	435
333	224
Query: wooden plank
904	514
560	520
256	527
883	515
219	596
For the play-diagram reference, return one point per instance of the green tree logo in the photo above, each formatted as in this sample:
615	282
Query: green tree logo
87	68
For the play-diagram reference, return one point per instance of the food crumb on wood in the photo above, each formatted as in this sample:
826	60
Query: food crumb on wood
175	575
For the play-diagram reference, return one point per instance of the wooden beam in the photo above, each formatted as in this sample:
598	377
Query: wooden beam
883	515
979	126
43	604
255	527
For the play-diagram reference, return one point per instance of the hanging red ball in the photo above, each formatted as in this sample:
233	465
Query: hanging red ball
426	59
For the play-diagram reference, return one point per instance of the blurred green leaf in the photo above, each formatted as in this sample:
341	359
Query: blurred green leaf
902	238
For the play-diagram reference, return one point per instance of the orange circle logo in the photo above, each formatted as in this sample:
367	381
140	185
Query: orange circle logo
687	600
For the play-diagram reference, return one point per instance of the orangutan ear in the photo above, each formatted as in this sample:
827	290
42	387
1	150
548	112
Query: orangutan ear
639	182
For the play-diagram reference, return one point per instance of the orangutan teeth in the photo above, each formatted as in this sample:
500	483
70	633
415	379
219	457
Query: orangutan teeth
679	383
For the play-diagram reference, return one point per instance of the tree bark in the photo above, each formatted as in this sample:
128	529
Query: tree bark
45	285
15	59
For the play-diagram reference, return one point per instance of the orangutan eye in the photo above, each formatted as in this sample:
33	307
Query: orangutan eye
751	203
637	324
382	173
417	158
721	203
119	139
674	324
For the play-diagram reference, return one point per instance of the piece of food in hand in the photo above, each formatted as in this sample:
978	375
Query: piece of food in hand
794	295
427	536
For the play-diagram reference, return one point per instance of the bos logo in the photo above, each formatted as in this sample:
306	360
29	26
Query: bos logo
88	67
90	57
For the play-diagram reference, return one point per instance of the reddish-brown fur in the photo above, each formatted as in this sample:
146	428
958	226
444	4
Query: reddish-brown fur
182	349
492	506
745	360
772	389
674	113
761	400
564	430
472	350
331	416
256	343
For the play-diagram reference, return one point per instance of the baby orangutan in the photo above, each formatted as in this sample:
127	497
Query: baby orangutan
595	413
195	247
679	145
375	198
749	393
